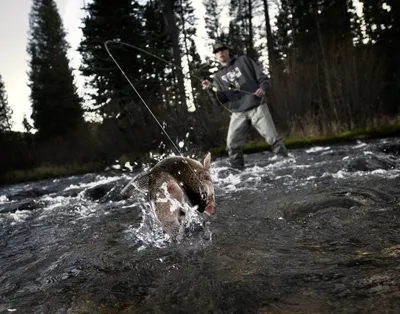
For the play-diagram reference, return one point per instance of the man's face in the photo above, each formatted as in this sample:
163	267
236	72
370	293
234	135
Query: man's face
222	55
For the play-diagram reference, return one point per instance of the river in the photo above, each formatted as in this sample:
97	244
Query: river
314	233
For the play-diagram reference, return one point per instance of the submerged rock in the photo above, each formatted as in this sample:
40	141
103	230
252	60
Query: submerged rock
369	163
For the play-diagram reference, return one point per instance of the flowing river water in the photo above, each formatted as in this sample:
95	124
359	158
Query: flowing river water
314	233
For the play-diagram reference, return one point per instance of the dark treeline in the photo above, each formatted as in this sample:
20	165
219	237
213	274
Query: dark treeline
332	71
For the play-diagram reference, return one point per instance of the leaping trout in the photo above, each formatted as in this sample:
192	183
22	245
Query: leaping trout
173	182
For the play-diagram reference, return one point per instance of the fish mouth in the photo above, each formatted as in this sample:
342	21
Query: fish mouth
210	209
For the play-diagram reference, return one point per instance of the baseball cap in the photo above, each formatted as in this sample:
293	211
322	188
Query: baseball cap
219	46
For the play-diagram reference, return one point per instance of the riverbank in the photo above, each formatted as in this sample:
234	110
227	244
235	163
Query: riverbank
50	171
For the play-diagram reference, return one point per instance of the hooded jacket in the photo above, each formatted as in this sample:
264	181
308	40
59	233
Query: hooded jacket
241	74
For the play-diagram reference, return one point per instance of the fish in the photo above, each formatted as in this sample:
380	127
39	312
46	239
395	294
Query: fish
171	183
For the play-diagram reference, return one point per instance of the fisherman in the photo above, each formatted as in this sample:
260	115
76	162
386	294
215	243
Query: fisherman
243	83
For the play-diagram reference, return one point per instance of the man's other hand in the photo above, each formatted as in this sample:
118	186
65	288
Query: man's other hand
259	92
206	84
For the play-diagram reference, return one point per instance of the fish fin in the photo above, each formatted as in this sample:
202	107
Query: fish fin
139	182
167	207
175	190
207	161
142	181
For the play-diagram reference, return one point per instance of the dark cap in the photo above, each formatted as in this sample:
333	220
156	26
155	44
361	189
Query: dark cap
219	46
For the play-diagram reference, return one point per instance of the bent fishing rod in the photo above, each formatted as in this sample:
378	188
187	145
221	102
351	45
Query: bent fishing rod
170	63
106	43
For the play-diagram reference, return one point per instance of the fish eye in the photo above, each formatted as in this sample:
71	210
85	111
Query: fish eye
203	195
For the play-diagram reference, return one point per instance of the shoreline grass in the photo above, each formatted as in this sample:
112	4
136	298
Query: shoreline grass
49	171
371	133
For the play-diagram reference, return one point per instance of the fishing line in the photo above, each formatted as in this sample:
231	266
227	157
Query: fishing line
170	63
130	83
174	65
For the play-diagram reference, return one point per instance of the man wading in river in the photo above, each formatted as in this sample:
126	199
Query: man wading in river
242	82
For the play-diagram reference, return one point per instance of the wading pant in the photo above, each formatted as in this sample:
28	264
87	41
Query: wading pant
239	127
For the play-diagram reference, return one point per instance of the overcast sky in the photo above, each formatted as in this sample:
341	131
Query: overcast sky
14	20
14	26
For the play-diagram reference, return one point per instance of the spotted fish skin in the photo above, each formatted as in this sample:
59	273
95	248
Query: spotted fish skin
173	181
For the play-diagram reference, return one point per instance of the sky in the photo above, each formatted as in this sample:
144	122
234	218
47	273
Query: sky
14	17
14	26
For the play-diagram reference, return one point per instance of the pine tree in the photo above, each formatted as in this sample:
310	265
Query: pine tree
304	28
5	109
145	63
187	29
158	75
235	37
271	44
56	105
26	124
212	20
170	20
118	21
161	78
382	20
284	33
112	97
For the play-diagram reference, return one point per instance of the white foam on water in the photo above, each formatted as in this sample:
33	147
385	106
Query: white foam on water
382	173
317	149
150	233
250	178
310	178
229	182
303	166
360	145
18	216
128	166
286	176
328	152
98	181
4	199
280	164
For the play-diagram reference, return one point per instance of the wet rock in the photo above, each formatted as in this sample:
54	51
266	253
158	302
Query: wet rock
114	195
97	192
105	192
19	206
390	149
310	208
70	193
369	163
223	174
32	193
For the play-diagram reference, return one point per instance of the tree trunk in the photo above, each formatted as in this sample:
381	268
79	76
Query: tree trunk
170	24
270	41
325	61
252	53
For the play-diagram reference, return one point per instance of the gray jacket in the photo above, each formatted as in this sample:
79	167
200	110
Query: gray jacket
242	74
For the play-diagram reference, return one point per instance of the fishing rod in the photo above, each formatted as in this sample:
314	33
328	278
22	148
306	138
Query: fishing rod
106	43
172	64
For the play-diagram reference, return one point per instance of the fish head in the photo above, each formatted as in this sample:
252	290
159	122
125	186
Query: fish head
206	187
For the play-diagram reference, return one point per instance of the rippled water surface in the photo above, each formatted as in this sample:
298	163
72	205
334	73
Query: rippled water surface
314	233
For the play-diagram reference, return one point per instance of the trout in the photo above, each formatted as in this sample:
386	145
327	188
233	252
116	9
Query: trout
171	183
